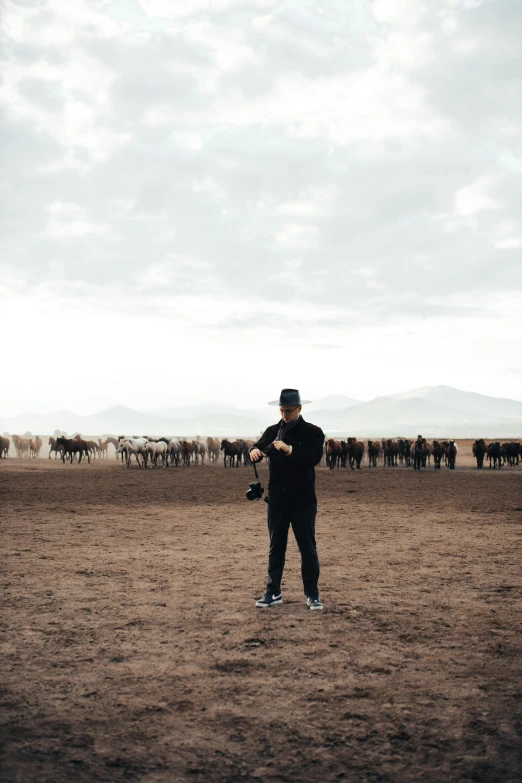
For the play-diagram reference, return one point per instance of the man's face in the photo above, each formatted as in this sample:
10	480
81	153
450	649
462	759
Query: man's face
289	414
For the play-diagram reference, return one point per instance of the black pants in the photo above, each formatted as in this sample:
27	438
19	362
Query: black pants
303	524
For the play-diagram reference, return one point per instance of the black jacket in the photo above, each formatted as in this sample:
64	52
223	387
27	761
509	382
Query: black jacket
292	477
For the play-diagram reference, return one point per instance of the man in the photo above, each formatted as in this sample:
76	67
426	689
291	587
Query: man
293	447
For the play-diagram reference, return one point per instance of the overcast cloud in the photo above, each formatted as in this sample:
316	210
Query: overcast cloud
260	193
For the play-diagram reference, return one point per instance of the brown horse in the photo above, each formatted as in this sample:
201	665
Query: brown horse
333	453
35	446
418	452
510	453
21	446
451	454
479	450
232	451
186	452
407	453
93	448
494	453
54	447
114	442
355	452
373	453
437	450
73	446
246	445
391	453
4	447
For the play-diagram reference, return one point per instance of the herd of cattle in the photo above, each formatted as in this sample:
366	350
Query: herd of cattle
149	451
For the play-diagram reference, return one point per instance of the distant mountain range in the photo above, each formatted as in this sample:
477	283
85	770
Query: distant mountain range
331	403
433	411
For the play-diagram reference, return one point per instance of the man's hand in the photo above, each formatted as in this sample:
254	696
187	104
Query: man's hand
256	455
280	445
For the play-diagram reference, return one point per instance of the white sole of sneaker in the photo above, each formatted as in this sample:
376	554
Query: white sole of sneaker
316	608
267	606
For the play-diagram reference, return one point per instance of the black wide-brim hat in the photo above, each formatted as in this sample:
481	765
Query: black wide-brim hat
289	397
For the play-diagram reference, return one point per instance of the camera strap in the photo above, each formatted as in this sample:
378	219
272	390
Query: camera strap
255	470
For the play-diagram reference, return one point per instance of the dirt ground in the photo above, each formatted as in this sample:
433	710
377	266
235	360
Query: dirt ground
132	649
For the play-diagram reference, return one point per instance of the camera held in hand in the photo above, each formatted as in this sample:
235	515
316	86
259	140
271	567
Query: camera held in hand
254	491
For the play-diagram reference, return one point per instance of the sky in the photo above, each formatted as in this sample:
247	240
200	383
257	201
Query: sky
215	199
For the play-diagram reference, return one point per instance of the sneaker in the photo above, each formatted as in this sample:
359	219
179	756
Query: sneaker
269	600
314	603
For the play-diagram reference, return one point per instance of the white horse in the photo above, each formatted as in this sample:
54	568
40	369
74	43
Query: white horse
155	450
56	447
173	452
136	446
